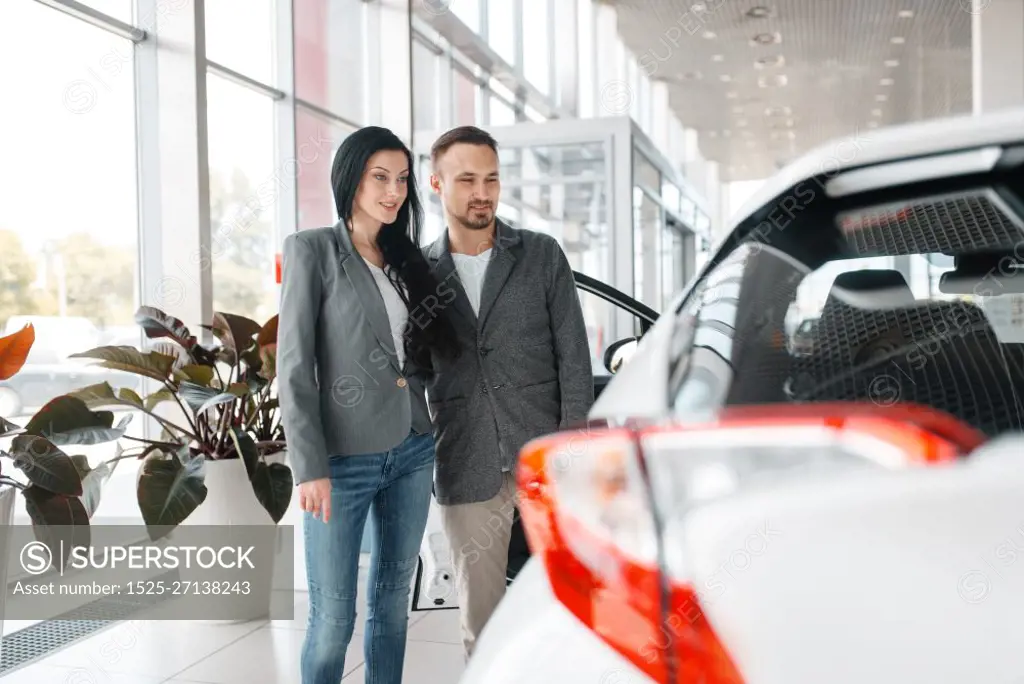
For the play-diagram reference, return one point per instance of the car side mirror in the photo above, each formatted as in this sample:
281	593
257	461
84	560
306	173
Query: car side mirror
619	353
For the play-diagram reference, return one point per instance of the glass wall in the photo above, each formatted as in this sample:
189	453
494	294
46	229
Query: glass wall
243	231
537	27
69	230
80	232
330	55
255	56
501	28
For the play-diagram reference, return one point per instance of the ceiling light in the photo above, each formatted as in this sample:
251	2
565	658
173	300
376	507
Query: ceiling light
892	63
712	134
778	111
717	58
698	7
759	12
732	95
766	39
766	62
778	80
709	35
897	40
738	109
876	112
872	124
741	122
887	82
725	78
726	133
692	76
906	14
882	98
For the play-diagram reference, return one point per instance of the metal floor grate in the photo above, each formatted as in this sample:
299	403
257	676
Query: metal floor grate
43	639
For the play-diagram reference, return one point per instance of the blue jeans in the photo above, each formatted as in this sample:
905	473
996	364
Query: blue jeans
395	486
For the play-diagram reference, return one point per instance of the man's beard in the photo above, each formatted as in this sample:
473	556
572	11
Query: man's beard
470	219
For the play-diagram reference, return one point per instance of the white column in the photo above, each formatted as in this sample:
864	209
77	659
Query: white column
610	95
661	115
587	74
998	54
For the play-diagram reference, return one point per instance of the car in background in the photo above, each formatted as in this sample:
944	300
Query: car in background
735	512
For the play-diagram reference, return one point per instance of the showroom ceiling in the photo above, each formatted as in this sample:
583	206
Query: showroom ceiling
762	83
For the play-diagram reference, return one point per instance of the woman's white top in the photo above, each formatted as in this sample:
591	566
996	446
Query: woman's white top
398	314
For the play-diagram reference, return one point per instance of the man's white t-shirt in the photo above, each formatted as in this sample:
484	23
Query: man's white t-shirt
471	270
398	314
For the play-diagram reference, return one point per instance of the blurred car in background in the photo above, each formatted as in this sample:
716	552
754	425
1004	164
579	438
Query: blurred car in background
48	372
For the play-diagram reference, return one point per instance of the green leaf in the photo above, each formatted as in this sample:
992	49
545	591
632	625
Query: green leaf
196	395
45	465
59	522
239	389
130	360
93	480
201	398
102	394
246	448
158	324
170	488
272	483
200	375
68	420
157	398
129	396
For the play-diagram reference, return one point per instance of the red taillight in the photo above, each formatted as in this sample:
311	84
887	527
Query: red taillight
587	496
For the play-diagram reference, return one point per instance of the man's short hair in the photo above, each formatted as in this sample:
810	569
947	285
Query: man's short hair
469	135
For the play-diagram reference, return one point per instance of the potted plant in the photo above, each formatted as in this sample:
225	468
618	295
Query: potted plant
59	490
213	461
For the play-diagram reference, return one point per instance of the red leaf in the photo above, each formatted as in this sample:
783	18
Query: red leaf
14	350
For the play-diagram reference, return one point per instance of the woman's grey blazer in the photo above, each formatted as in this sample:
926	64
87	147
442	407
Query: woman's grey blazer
341	389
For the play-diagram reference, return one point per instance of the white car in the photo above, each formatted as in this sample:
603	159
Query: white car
854	513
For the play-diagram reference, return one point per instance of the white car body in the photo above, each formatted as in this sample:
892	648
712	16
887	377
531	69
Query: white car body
899	611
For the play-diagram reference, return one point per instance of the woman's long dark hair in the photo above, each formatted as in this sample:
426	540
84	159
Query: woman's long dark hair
399	243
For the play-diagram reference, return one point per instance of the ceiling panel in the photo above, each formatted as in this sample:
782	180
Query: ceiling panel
764	83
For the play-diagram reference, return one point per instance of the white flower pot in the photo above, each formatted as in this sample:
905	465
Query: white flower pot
7	498
230	500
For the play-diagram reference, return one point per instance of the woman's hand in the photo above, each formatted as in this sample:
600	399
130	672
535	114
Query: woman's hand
315	497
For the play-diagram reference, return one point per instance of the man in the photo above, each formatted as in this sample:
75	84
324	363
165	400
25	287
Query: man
524	370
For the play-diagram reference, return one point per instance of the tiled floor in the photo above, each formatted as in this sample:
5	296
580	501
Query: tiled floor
266	652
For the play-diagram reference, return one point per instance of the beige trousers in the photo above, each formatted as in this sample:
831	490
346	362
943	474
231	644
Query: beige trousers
479	534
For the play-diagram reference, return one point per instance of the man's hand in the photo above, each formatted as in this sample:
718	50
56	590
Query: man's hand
315	497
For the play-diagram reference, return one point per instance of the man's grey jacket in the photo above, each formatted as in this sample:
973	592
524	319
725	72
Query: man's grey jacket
525	367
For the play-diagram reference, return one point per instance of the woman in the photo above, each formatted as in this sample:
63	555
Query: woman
355	341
